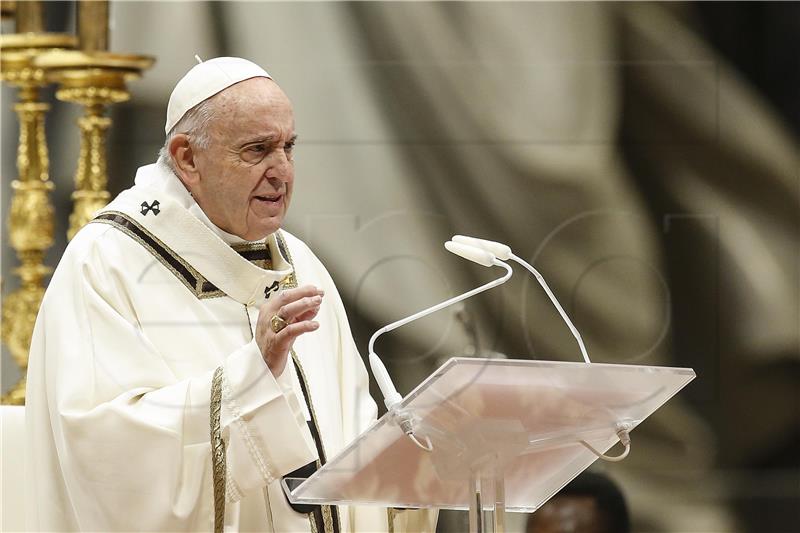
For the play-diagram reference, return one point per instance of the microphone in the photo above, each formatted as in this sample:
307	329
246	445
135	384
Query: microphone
476	254
471	253
502	251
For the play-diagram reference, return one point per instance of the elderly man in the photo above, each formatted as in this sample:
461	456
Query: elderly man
189	353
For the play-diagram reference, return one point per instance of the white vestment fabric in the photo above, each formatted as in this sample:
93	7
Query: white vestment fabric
147	301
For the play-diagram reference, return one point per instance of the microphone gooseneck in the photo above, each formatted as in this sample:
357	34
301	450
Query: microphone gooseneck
557	305
503	251
476	254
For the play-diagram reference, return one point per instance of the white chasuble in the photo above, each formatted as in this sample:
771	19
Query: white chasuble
149	314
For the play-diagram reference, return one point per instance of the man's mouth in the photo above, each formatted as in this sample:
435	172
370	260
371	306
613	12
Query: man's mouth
269	198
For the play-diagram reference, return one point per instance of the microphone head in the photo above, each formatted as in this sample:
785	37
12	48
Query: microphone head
500	250
477	255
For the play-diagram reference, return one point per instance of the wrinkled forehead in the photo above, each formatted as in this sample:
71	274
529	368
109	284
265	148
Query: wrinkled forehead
255	91
255	103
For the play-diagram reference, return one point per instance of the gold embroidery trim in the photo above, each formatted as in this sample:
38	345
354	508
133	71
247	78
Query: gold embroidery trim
327	517
200	280
243	247
291	282
217	451
155	253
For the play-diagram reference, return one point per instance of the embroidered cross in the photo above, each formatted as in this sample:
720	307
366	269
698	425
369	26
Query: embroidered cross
154	207
268	290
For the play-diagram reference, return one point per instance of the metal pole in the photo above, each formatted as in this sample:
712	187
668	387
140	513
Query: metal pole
499	503
475	505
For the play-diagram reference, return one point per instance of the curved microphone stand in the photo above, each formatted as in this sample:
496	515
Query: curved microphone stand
504	252
390	395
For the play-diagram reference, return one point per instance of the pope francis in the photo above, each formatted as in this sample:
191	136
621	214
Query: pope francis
189	353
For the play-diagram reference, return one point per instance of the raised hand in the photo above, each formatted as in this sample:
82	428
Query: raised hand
281	320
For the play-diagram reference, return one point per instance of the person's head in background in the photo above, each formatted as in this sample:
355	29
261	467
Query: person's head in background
590	503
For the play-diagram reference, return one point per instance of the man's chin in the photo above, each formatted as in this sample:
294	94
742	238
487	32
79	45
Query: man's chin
257	236
262	231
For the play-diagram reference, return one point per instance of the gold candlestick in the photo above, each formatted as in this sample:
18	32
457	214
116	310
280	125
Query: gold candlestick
29	17
8	9
93	25
94	80
30	223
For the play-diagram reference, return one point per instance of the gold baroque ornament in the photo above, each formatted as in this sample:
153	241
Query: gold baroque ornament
19	316
93	80
31	218
26	75
87	203
93	95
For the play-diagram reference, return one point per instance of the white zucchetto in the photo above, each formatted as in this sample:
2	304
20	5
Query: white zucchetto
205	80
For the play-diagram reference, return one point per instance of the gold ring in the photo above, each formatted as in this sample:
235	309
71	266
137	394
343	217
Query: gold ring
277	323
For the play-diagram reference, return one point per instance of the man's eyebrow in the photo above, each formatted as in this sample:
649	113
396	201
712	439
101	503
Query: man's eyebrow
265	140
254	140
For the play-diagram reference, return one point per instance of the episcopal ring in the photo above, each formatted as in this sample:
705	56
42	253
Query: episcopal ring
277	323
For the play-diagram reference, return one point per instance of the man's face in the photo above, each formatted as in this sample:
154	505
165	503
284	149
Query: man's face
246	175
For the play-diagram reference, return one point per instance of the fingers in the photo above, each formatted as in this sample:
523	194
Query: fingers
308	315
302	309
286	337
277	353
298	307
292	295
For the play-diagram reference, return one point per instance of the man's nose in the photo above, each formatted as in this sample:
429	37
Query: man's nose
280	166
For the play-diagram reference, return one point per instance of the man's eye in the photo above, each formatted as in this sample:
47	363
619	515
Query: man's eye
254	153
288	146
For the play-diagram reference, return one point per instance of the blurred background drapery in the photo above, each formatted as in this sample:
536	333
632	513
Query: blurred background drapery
644	156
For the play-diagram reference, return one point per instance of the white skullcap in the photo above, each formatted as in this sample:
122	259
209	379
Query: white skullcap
205	80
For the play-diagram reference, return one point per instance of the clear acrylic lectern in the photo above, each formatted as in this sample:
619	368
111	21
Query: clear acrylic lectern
504	435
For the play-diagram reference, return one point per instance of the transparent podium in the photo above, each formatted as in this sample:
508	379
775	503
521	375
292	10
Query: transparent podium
495	435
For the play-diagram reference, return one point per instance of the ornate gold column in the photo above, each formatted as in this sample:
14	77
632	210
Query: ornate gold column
91	77
30	222
94	80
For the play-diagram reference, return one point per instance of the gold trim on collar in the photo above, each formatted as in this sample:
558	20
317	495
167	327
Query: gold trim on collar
290	281
256	253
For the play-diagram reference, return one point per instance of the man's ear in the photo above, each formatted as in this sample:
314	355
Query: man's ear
183	159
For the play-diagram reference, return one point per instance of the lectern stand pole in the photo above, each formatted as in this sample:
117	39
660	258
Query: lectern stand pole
481	489
475	505
499	504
